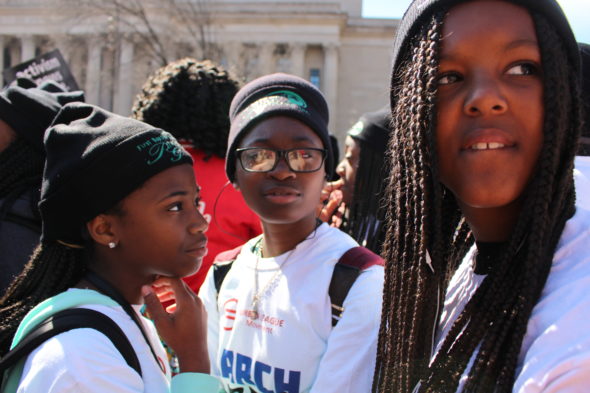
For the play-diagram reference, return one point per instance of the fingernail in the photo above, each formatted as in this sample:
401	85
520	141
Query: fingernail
146	290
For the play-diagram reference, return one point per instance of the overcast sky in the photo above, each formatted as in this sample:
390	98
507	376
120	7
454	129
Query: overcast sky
577	11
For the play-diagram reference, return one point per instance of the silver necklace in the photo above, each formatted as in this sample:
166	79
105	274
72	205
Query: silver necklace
259	295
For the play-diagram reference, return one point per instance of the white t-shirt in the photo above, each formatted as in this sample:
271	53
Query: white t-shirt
555	353
85	360
582	180
292	347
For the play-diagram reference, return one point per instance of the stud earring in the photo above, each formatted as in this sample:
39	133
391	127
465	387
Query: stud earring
112	244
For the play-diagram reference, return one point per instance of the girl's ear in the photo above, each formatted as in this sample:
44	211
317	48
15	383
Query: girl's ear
100	229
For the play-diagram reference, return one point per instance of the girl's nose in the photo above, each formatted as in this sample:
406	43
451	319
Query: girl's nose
485	98
340	169
282	170
198	223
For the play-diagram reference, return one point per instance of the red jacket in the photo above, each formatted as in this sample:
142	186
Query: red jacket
231	224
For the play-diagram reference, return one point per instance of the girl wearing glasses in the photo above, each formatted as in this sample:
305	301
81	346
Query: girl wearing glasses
270	323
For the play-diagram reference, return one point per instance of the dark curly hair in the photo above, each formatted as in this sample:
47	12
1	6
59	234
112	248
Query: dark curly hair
189	99
427	235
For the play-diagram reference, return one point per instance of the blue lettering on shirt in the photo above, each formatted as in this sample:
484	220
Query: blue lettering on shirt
292	386
238	369
260	368
227	360
243	367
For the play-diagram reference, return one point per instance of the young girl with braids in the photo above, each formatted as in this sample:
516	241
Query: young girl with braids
487	265
190	99
270	323
119	210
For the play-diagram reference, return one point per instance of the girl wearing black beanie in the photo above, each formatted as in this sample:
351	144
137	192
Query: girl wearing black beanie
274	322
355	201
487	268
119	211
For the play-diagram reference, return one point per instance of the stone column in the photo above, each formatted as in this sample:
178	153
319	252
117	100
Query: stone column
266	59
93	68
298	60
233	50
124	97
27	48
330	83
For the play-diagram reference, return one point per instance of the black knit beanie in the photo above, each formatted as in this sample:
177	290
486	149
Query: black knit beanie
275	95
95	159
29	108
420	10
373	129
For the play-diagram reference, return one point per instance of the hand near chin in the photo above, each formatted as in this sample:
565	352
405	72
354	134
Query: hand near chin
331	207
183	326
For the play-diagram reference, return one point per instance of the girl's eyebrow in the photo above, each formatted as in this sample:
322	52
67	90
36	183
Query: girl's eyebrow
173	194
522	42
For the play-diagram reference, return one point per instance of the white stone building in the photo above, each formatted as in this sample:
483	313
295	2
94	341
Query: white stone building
324	41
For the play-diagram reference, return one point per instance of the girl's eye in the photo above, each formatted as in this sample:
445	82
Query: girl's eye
522	69
176	207
448	78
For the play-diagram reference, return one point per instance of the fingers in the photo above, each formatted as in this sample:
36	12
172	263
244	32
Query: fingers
181	292
153	305
335	185
337	216
328	211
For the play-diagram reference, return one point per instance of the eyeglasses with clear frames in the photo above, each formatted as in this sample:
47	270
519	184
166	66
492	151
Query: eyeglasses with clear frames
299	160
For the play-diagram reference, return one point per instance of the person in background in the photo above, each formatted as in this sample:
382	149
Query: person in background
354	203
26	110
191	99
487	262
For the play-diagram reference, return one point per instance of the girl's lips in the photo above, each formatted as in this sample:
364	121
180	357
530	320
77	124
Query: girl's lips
483	139
282	195
198	250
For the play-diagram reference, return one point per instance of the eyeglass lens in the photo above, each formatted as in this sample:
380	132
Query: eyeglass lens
299	160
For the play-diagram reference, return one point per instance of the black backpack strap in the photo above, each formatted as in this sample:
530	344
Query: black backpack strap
63	321
346	271
222	264
220	270
106	288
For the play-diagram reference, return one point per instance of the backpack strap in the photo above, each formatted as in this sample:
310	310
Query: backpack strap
63	321
346	271
222	264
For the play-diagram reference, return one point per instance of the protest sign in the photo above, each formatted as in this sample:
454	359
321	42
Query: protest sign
48	66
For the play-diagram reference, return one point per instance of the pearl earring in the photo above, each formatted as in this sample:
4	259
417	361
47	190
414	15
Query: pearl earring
112	244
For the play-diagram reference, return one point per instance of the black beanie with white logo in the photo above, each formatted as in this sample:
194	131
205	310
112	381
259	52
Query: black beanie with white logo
94	160
277	95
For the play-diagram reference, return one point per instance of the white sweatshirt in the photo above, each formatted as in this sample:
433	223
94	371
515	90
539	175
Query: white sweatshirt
291	346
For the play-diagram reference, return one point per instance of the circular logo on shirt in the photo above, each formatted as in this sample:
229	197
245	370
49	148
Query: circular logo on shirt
229	312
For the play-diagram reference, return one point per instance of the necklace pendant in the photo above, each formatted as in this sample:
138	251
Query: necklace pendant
253	315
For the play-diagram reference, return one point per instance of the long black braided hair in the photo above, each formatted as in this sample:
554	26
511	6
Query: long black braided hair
52	269
366	220
189	99
427	236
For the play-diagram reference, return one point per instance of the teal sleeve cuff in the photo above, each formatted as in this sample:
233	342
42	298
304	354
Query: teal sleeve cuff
194	383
